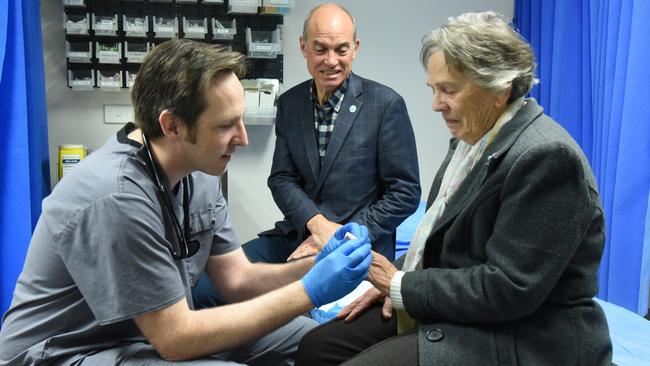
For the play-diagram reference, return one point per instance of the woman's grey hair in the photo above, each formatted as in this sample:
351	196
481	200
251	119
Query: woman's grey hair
486	49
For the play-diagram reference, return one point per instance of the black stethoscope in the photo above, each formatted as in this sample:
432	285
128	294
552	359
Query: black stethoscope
187	246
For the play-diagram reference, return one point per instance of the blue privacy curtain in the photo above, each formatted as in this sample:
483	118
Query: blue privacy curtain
593	64
24	164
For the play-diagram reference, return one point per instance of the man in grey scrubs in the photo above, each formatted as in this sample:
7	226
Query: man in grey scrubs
124	237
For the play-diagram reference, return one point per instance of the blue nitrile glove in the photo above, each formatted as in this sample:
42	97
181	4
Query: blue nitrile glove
338	273
360	231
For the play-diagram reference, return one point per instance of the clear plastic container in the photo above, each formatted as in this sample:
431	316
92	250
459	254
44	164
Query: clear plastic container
109	80
224	29
165	27
135	52
130	78
76	3
195	28
108	52
105	25
81	79
243	6
79	51
135	26
263	44
76	24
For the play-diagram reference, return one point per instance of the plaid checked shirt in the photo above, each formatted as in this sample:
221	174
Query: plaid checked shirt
325	116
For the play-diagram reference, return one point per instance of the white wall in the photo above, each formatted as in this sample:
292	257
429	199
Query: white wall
390	33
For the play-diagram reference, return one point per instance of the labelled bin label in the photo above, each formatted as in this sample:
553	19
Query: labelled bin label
68	161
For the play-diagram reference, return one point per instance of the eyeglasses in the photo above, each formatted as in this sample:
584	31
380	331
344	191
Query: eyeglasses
185	246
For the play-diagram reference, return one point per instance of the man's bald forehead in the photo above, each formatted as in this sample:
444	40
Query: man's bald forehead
328	5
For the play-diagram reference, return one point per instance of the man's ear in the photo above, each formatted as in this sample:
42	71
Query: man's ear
169	123
302	47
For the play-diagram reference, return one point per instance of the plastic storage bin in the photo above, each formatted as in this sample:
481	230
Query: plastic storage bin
76	24
195	28
135	52
130	78
263	44
243	6
109	80
224	29
77	3
165	27
108	52
135	26
81	79
105	25
79	51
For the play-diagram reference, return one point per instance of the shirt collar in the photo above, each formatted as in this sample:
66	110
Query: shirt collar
335	100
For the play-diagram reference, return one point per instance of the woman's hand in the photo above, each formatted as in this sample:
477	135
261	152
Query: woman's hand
381	273
363	302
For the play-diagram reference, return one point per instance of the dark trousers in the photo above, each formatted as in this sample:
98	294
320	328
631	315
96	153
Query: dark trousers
268	249
272	248
369	340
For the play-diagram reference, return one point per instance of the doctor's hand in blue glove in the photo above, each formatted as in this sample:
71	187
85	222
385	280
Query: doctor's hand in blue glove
338	273
359	232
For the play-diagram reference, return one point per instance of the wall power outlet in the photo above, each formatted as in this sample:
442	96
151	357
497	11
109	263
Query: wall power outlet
120	114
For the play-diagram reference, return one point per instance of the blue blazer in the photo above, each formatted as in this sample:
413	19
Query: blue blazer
369	174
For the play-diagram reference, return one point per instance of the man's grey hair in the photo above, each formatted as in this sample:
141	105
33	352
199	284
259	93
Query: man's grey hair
486	49
312	11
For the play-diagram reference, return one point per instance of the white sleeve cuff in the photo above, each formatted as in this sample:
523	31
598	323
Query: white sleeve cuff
396	290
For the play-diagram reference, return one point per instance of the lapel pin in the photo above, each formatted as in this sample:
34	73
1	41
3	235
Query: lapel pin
353	108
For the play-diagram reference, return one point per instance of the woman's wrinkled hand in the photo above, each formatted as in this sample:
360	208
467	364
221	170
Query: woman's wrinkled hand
365	301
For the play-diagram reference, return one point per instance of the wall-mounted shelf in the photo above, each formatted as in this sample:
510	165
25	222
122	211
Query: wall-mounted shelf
259	116
107	40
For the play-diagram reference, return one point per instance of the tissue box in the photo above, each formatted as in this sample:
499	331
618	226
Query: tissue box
267	98
252	98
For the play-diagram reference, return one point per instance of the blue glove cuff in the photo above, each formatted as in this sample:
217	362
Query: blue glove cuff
310	292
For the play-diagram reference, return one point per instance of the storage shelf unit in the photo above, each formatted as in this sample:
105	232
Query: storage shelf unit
107	40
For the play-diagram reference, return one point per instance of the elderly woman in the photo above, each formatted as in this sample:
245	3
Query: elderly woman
502	268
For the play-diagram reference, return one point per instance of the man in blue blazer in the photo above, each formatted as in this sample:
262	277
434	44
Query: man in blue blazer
345	150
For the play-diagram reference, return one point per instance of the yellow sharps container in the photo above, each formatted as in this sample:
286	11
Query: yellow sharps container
69	156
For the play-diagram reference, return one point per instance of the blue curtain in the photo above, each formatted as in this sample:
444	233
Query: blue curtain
593	65
24	161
